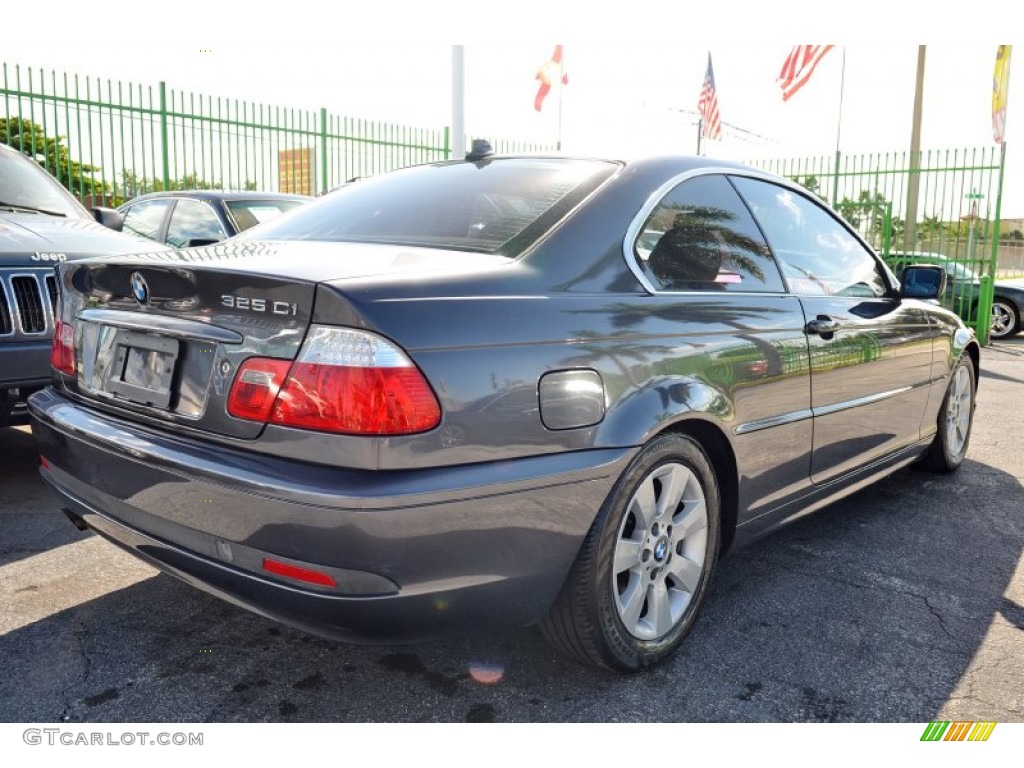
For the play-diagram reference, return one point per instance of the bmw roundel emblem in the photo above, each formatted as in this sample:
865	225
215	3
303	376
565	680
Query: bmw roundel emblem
139	288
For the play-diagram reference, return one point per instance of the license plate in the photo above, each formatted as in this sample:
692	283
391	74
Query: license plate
142	368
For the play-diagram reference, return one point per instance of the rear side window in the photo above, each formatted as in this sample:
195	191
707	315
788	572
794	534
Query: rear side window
701	237
500	206
818	255
193	220
146	218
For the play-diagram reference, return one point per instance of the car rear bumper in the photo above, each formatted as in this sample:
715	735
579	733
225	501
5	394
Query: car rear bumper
414	554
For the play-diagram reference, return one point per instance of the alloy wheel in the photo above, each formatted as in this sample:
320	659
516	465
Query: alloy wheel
660	551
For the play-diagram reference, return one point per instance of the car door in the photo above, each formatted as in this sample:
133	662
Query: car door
870	352
717	290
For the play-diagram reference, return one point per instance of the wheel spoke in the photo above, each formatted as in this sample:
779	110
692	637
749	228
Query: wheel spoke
627	555
673	483
693	518
686	572
659	610
631	602
644	505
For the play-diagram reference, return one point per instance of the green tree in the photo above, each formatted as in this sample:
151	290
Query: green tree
810	183
133	185
51	153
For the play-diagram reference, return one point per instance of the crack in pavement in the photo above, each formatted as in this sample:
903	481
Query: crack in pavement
79	633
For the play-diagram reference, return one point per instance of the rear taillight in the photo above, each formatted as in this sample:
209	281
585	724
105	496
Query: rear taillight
62	353
345	381
256	386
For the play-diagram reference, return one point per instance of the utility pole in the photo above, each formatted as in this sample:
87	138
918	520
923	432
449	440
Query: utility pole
914	183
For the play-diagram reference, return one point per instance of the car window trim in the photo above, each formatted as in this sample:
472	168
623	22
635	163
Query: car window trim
654	199
636	227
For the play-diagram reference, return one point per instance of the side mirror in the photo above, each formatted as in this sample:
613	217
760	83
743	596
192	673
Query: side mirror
922	281
108	217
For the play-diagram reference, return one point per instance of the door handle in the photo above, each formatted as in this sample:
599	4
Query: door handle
823	325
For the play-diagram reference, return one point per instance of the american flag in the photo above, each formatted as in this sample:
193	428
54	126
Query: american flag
707	105
799	67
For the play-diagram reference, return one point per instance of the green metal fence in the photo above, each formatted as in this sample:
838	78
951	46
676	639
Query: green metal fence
109	140
945	209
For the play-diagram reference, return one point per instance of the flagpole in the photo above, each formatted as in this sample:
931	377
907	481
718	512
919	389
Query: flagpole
700	130
839	127
914	180
561	88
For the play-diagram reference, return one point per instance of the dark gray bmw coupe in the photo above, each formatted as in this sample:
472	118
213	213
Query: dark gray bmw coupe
496	392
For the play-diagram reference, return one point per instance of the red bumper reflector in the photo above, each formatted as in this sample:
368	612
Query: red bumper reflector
44	463
299	574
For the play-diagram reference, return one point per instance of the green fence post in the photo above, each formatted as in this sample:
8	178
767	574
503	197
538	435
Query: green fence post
987	287
323	149
447	145
163	136
983	322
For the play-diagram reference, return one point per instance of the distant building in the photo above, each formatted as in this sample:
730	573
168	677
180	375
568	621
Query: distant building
296	170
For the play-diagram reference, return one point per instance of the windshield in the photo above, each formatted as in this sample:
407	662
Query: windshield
26	186
501	206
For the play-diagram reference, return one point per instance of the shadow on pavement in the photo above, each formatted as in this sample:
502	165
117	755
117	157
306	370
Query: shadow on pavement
870	610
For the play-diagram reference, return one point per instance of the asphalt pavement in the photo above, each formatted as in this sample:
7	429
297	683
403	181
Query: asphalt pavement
902	603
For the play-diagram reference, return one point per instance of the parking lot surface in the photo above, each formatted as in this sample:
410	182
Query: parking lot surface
904	602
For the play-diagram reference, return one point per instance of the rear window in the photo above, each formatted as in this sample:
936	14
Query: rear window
498	207
248	213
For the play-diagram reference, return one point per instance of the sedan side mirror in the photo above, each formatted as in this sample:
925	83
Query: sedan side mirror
922	281
108	217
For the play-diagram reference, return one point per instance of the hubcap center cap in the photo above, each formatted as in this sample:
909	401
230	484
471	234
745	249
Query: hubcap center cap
661	549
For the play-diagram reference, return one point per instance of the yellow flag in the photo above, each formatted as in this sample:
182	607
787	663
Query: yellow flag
1000	89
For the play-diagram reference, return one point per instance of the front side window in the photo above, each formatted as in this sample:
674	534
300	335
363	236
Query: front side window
817	254
194	220
146	218
701	237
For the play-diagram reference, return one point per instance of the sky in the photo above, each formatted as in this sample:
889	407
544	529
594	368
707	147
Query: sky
634	94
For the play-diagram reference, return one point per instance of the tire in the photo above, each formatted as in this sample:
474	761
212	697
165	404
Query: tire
1005	319
955	419
642	573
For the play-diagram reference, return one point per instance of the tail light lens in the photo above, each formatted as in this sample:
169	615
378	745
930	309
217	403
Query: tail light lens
256	386
62	353
344	381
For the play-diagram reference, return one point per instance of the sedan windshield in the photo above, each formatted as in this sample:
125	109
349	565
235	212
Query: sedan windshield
24	186
501	206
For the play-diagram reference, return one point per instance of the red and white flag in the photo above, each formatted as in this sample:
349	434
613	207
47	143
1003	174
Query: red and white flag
799	67
552	71
707	105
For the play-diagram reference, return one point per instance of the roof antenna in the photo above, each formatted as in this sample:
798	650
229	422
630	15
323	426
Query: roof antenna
481	150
